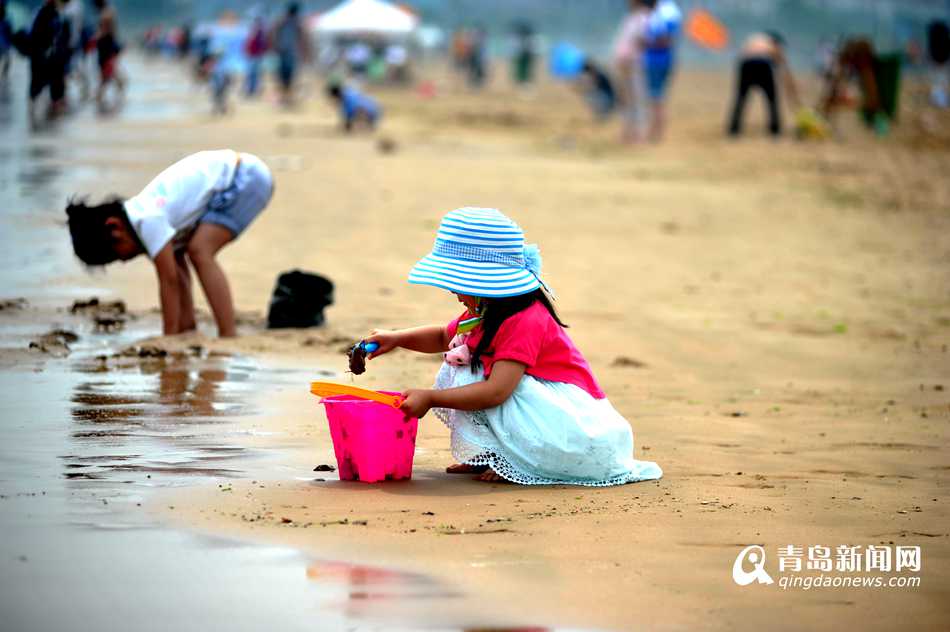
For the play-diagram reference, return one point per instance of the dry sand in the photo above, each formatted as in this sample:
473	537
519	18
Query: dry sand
772	318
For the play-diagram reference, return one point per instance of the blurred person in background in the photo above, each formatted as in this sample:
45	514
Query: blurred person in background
254	49
628	59
598	90
477	57
290	42
358	56
202	45
227	46
108	49
461	46
397	63
761	59
877	81
357	110
184	43
524	55
46	43
662	29
938	56
75	66
6	43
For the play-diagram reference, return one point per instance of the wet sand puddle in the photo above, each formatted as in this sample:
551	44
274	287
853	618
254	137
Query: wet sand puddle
83	442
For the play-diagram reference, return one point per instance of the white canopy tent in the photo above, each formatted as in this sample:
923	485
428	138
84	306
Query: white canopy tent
369	17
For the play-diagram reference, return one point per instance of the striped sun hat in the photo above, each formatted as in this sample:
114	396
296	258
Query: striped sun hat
480	252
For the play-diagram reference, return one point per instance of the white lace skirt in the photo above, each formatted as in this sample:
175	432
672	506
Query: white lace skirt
546	433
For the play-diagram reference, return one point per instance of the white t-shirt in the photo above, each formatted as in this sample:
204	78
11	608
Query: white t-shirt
171	205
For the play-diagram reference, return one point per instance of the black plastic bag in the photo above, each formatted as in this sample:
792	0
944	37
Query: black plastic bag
299	300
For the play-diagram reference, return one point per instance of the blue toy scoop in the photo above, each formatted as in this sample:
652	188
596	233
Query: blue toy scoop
369	347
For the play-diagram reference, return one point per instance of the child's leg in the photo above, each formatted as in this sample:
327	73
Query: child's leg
186	315
202	248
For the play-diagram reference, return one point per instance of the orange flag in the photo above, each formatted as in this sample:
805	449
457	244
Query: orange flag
704	29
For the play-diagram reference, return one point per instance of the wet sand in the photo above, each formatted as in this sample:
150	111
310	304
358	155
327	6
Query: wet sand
772	317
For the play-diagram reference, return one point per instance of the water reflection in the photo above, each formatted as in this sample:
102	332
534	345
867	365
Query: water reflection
371	593
158	416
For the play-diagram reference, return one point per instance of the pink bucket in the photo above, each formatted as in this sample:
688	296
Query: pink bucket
373	442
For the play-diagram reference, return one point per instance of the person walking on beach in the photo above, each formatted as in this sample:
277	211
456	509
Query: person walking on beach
228	41
107	49
290	43
518	396
477	57
187	214
628	59
524	54
662	28
762	58
47	41
254	49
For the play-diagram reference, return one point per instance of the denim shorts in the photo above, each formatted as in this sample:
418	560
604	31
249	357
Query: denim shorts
250	191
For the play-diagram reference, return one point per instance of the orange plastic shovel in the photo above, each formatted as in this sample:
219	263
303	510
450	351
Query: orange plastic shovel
329	389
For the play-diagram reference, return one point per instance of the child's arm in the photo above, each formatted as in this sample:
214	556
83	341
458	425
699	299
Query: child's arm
499	386
169	290
425	339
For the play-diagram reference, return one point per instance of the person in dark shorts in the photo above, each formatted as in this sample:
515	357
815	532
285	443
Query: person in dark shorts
762	58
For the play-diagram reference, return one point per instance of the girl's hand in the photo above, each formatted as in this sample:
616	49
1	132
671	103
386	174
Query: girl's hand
417	402
387	341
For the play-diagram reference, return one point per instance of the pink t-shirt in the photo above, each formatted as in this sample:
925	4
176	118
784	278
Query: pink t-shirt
628	45
533	338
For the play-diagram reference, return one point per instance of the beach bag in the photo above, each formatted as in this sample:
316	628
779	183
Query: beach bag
299	300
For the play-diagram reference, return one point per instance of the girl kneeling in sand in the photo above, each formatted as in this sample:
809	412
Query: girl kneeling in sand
518	396
193	208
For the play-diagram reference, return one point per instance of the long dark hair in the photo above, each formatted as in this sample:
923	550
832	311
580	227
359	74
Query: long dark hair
495	311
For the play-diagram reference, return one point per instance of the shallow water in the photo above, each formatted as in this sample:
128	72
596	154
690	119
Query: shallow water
83	443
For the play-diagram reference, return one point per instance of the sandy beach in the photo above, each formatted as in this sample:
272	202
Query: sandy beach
772	317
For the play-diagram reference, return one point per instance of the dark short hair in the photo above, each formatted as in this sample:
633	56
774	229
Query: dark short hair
776	37
92	239
293	8
335	91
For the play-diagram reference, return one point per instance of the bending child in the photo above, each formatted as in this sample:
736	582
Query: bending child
186	214
356	108
519	398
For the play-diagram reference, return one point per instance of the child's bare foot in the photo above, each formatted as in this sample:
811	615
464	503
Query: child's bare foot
465	468
490	476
